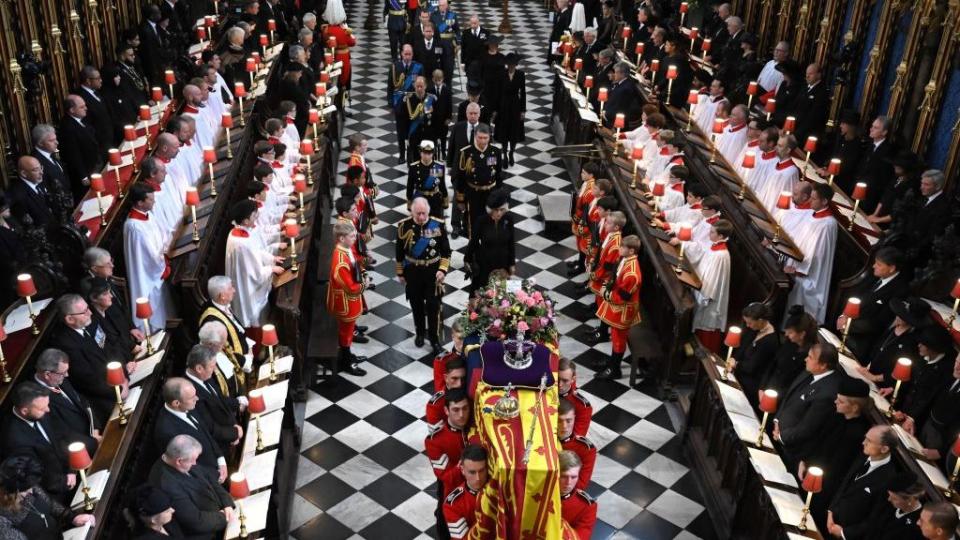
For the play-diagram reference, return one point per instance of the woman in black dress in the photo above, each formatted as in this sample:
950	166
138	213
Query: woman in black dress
151	514
513	107
491	246
753	359
110	317
800	332
27	512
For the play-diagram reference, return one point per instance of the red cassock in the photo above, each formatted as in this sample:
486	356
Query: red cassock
345	40
345	291
587	453
580	511
459	511
621	306
607	263
580	210
583	411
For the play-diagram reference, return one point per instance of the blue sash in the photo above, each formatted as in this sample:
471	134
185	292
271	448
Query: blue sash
395	5
446	24
431	181
422	243
420	113
407	86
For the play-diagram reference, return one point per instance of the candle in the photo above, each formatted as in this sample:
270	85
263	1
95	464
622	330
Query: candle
130	133
272	25
322	91
789	124
602	95
145	112
239	488
705	46
115	376
752	88
578	64
291	229
768	401
324	77
313	116
859	191
239	89
113	155
619	121
209	154
671	72
192	196
655	65
813	480
639	48
78	457
306	147
251	64
226	120
318	87
694	33
255	402
750	159
156	93
732	338
852	309
901	371
771	106
684	7
256	57
693	97
264	40
25	286
169	77
96	183
718	126
143	309
955	293
659	188
625	32
201	33
810	145
332	42
685	233
637	152
209	20
783	201
300	183
834	167
588	81
269	335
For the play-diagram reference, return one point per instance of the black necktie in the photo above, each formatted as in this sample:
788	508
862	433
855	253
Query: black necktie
470	133
36	426
193	421
863	471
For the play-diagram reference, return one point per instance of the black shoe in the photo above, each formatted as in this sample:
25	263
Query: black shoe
576	270
573	264
372	287
401	161
581	286
354	369
436	348
511	158
598	336
454	234
360	338
612	371
356	359
418	341
360	328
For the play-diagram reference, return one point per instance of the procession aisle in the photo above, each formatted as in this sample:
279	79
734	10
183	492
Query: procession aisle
362	473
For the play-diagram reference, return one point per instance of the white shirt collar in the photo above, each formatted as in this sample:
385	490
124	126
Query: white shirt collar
194	378
888	279
938	358
875	464
820	376
179	414
44	153
934	196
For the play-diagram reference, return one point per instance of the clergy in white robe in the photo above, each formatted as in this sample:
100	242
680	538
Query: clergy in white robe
711	300
700	236
644	131
689	213
766	159
168	208
817	239
770	77
145	256
782	177
706	110
674	196
734	137
193	105
249	266
279	134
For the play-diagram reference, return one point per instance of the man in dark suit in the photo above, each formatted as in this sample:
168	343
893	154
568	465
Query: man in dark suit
442	109
68	408
99	264
46	148
415	32
474	95
220	410
807	404
586	53
888	283
864	487
473	41
732	52
461	135
676	56
134	87
291	90
272	9
932	372
154	44
624	97
812	105
933	214
938	521
874	167
28	196
98	115
85	344
28	431
561	23
81	148
202	508
434	53
172	12
178	417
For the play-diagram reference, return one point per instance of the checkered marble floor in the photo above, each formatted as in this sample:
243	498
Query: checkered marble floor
362	473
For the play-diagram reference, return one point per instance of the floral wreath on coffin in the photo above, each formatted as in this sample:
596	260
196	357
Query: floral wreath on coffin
506	308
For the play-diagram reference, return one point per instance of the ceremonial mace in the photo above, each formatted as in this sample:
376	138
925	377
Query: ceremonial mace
533	423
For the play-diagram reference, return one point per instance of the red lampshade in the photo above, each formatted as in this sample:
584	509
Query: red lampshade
317	88
619	121
115	376
226	120
671	71
144	310
209	154
718	126
852	309
859	191
306	147
684	7
694	33
750	159
768	401
771	106
783	201
790	124
300	183
659	188
625	32
256	57
902	369
239	89
251	64
156	94
705	46
96	183
588	81
324	77
685	233
811	144
169	77
192	196
955	293
578	64
313	116
327	59
752	88
732	339
201	33
130	133
693	97
291	229
834	166
637	152
639	48
239	489
113	155
956	446
272	25
655	65
25	286
332	42
209	20
602	94
255	402
78	457
322	90
264	40
144	112
813	480
269	337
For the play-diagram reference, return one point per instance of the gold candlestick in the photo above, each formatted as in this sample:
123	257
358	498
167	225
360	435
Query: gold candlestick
294	267
122	414
303	216
87	501
103	218
196	226
33	317
805	512
229	147
259	434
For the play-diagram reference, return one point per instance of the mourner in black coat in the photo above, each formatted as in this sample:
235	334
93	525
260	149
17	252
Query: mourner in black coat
200	504
863	488
888	283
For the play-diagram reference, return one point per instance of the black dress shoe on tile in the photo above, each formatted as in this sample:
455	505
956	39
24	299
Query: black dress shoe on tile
573	264
362	329
576	270
419	341
360	338
354	369
356	359
436	348
597	337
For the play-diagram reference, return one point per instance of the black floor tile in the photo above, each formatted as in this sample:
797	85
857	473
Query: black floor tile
329	453
613	417
649	526
323	526
389	387
390	453
626	452
326	491
333	419
390	490
390	419
638	489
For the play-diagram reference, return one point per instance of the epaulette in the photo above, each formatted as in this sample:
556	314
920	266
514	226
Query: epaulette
586	442
452	496
437	397
465	147
414	163
586	496
579	397
467	349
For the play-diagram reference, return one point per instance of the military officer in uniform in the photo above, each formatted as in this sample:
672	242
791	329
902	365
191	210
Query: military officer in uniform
446	22
426	179
445	443
577	508
395	19
460	506
423	259
415	118
479	171
403	73
580	445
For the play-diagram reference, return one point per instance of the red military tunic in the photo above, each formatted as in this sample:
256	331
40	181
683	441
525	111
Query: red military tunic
620	308
341	53
460	511
440	369
436	411
580	511
587	453
583	411
444	445
579	219
345	290
606	264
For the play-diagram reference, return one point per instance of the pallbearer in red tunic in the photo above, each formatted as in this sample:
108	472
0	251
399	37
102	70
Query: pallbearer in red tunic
620	308
337	28
445	443
345	295
579	210
576	507
460	506
453	377
579	444
567	387
440	362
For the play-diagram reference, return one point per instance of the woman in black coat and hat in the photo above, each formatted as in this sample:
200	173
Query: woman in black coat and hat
900	341
906	168
492	70
513	107
151	515
492	244
27	512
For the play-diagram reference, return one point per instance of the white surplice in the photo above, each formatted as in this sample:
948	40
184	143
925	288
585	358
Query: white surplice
673	197
730	144
706	111
765	163
144	255
782	177
251	269
769	77
688	213
713	297
817	239
167	211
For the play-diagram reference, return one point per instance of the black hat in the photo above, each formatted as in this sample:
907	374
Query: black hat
905	159
513	59
473	86
497	198
749	39
19	473
914	311
935	337
849	116
493	39
94	286
150	501
852	387
901	482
